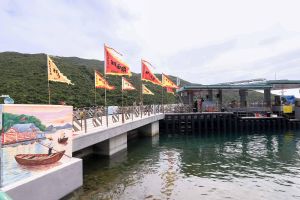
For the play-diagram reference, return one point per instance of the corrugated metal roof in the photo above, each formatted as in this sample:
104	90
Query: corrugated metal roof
271	84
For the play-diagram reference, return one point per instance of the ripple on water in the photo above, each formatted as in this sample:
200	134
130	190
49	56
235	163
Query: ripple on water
230	166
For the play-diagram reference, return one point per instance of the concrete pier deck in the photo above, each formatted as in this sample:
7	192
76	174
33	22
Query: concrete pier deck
99	134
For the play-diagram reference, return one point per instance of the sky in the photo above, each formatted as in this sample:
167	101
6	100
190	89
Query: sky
202	41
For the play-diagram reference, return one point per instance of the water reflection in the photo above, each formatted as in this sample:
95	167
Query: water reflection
215	166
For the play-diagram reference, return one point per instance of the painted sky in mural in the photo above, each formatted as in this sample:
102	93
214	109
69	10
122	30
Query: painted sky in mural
57	115
43	128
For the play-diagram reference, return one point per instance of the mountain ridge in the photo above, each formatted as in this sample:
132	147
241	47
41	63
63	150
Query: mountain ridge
24	78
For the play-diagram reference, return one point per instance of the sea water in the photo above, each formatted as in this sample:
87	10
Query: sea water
211	166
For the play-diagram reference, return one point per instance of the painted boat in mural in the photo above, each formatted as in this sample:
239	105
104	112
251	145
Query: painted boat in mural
62	140
38	159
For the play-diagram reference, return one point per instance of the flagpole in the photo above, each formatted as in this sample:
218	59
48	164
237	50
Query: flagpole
122	99
95	96
105	103
162	93
122	89
49	92
141	88
95	85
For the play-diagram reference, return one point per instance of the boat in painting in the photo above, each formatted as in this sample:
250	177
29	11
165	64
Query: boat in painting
38	159
62	139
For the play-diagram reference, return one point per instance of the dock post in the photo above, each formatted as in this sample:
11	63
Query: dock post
230	122
173	123
268	125
186	123
212	122
224	123
205	122
193	123
199	123
284	124
241	122
252	125
218	123
235	123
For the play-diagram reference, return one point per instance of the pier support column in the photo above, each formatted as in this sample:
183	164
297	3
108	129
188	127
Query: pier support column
111	146
220	99
210	95
191	97
267	97
150	129
243	98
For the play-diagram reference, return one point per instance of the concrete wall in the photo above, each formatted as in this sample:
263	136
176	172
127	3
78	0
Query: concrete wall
52	185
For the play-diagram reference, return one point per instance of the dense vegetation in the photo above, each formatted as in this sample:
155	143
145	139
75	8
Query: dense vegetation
11	119
24	78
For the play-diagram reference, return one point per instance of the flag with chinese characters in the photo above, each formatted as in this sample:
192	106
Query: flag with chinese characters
100	82
166	82
146	90
54	74
126	85
147	75
170	90
114	65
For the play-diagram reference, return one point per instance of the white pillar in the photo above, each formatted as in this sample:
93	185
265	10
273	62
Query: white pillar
111	146
150	129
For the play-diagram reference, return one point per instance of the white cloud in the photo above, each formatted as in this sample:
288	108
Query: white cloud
199	40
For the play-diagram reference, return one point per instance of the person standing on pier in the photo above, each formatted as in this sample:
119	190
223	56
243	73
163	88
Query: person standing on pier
200	100
195	109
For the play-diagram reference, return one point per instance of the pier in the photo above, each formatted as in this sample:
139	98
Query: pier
187	123
96	132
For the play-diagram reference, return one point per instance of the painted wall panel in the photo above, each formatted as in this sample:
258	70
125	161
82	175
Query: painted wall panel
34	139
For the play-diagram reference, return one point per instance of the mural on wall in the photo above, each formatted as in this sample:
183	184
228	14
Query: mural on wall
1	171
34	138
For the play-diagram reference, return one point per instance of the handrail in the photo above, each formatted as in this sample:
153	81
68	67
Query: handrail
97	116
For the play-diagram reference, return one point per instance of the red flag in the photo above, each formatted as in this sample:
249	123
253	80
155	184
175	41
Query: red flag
100	82
147	75
170	90
114	65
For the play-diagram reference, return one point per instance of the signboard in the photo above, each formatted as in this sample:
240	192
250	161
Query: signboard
288	109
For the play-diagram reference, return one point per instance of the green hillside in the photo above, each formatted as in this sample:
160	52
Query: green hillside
24	78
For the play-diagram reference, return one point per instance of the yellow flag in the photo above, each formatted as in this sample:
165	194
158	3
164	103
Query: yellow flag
100	82
54	74
126	85
146	90
166	82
